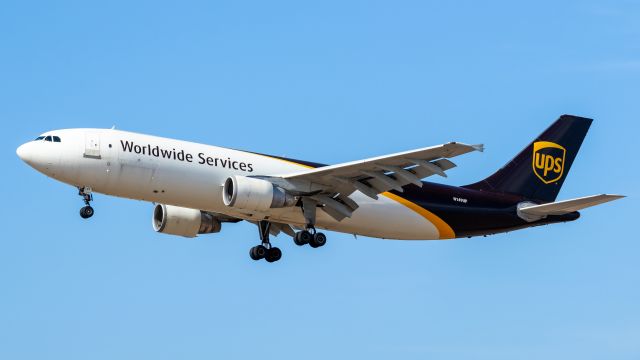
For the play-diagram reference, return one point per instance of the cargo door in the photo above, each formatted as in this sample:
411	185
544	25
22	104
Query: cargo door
92	145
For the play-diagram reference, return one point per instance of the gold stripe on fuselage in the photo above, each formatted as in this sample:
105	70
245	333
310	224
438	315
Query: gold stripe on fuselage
445	231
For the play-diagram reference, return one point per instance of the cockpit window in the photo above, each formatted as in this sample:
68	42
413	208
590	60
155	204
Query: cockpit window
48	138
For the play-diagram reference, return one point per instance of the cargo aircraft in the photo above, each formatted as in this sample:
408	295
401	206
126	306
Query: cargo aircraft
197	188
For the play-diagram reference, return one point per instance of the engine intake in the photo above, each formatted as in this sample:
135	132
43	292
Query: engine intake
253	194
175	220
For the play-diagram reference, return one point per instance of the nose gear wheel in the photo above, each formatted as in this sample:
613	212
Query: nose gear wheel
87	196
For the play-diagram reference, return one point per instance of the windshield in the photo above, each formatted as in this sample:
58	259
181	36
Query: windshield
51	138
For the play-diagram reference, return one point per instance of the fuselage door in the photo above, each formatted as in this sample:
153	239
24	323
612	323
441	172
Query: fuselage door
92	145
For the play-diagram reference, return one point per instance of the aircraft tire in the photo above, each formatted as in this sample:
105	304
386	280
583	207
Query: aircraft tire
86	212
258	252
274	254
302	238
318	240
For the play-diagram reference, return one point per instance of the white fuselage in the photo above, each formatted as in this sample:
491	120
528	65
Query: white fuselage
191	175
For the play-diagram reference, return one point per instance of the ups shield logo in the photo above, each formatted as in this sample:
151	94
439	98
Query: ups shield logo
548	161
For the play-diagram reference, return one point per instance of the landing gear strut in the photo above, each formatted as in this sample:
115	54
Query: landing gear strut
265	250
86	211
309	235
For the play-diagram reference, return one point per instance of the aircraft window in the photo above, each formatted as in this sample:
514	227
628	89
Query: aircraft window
48	138
39	138
56	139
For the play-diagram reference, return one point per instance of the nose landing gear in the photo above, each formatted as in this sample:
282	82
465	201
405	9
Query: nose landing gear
86	211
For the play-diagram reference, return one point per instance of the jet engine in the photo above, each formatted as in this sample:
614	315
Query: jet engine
254	194
181	221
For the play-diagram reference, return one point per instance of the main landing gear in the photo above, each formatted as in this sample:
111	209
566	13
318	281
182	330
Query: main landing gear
265	250
310	236
272	254
86	211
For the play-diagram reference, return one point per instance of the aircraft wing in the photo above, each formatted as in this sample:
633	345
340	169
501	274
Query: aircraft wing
331	185
568	206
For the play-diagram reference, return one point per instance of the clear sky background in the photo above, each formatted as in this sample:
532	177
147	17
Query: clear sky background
327	81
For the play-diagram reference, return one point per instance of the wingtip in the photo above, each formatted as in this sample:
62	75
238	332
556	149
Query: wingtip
615	196
478	147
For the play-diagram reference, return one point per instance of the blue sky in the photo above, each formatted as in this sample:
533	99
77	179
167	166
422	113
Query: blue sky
329	82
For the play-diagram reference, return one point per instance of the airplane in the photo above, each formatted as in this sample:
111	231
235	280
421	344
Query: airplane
195	188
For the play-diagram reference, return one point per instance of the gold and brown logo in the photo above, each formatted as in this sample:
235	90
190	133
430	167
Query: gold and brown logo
548	161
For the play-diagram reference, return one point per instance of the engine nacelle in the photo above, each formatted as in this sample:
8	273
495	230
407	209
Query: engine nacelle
175	220
253	194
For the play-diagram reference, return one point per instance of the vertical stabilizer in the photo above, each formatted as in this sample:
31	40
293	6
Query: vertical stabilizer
539	170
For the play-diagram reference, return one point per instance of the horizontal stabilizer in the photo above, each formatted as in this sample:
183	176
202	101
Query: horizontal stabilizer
566	206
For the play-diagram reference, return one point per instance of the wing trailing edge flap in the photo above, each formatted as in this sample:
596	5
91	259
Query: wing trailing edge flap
374	182
338	207
566	206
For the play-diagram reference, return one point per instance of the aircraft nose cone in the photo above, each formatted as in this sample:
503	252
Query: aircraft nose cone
42	156
24	153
